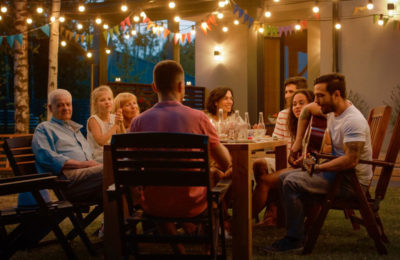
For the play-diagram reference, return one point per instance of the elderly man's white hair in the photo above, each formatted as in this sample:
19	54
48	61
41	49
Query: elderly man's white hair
57	93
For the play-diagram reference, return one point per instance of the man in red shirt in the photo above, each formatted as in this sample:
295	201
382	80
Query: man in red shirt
170	115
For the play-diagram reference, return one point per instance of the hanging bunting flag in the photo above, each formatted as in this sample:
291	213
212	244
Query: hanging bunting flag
149	25
18	37
204	29
359	8
208	26
375	18
116	30
303	24
127	21
45	29
183	36
251	21
166	32
212	20
246	17
123	25
188	37
77	37
110	31
82	38
146	19
235	9
241	12
176	38
316	15
105	35
10	40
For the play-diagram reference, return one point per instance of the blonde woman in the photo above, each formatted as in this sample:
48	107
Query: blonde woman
102	124
126	104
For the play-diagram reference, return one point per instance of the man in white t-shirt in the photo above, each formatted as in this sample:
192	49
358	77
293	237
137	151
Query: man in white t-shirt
351	141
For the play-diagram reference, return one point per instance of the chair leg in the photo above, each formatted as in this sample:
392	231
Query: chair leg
382	231
348	213
62	239
84	222
82	234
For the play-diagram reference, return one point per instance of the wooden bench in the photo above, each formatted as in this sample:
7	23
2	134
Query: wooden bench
5	168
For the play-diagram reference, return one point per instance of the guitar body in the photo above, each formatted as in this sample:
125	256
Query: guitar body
315	137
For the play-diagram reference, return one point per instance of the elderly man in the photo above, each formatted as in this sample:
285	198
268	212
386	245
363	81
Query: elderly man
60	148
169	115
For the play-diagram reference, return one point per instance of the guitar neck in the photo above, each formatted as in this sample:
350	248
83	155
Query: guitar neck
373	162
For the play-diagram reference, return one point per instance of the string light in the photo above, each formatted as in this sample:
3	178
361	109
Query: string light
79	26
89	54
236	22
39	10
98	20
276	1
143	14
4	9
370	5
193	31
220	15
267	14
126	35
133	32
63	43
380	21
105	26
225	29
108	51
177	19
178	35
81	8
338	26
221	3
204	25
171	4
297	27
124	7
29	20
61	19
155	29
161	27
315	9
136	18
261	29
52	19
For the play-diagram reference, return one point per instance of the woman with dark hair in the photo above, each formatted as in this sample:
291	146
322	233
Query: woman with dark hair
264	168
219	98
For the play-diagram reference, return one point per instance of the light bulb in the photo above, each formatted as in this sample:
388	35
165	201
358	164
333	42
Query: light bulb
136	18
177	18
63	43
39	10
52	19
29	20
133	32
124	8
221	3
79	26
171	4
193	31
126	36
370	6
236	22
261	29
315	9
89	54
143	14
380	21
61	19
105	26
267	14
81	8
108	51
98	20
220	15
225	29
276	1
297	27
338	26
4	9
204	25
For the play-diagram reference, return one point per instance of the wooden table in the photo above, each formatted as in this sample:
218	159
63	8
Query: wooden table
242	153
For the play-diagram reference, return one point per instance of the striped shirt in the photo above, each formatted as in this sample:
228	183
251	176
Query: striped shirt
281	130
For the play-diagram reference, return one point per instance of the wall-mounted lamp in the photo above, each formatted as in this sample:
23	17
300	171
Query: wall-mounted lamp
218	53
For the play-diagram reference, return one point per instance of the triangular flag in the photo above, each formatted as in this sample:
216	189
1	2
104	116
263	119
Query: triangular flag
208	26
246	17
176	38
19	38
303	24
10	40
82	38
1	40
45	29
251	21
375	18
116	30
110	31
241	12
149	25
212	20
204	29
123	25
188	37
183	36
105	35
77	37
146	19
127	21
166	32
235	9
316	15
395	24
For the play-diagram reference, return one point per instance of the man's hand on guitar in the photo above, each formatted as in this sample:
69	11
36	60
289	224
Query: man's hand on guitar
309	164
295	159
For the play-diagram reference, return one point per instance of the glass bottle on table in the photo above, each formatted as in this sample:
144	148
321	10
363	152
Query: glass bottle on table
260	126
221	125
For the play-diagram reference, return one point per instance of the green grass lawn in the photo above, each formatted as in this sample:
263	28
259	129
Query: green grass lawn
337	239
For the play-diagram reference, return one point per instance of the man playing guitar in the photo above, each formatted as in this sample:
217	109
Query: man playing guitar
350	139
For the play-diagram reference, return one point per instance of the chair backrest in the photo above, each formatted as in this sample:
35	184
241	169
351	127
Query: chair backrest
20	155
391	156
160	159
378	122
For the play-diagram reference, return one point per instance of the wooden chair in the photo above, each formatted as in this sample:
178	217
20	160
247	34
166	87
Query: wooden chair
165	159
29	225
368	207
22	160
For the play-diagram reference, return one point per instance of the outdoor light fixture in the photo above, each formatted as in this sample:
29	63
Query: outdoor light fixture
225	29
177	19
236	22
61	19
136	18
193	31
220	15
171	4
108	51
297	27
89	54
338	26
370	5
52	19
380	21
267	14
143	14
39	10
63	43
29	20
98	20
124	7
315	9
105	26
204	25
126	35
4	9
133	32
218	53
276	1
79	26
261	29
81	8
